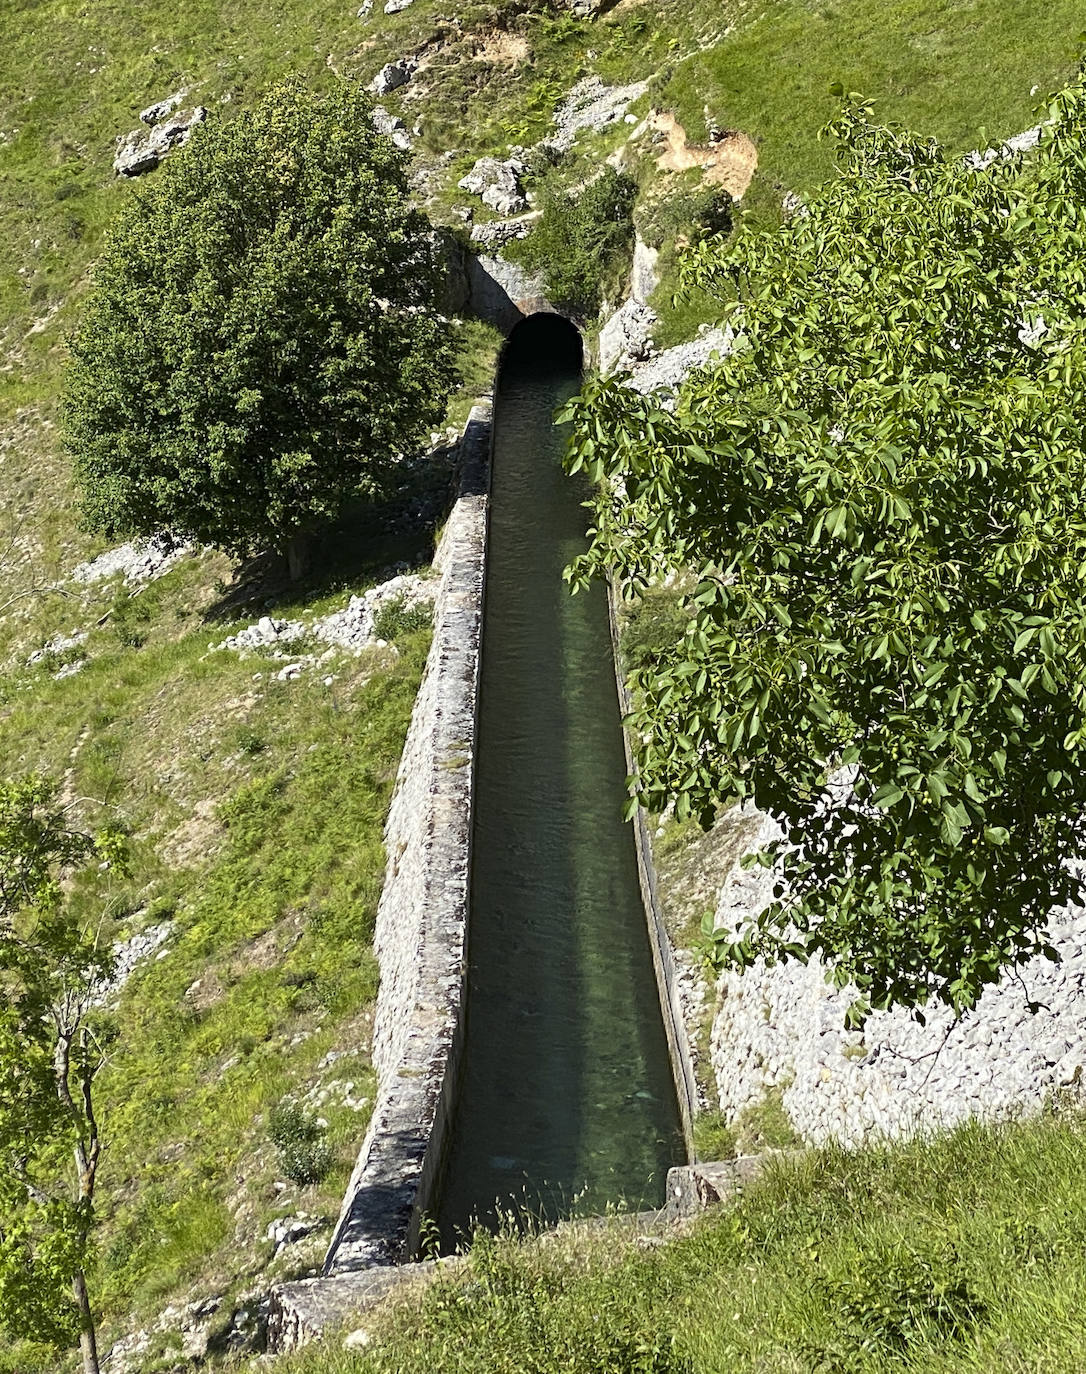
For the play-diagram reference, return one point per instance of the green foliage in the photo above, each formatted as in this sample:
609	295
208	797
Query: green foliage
905	1298
959	1254
879	490
261	339
304	1153
652	624
396	619
132	614
713	1137
582	239
52	1042
695	211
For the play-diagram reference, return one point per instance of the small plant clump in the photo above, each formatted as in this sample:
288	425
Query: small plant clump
304	1152
396	618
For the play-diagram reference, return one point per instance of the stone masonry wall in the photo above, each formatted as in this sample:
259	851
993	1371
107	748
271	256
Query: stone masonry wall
421	919
781	1029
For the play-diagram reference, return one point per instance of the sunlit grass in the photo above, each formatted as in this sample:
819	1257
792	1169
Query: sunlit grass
956	1254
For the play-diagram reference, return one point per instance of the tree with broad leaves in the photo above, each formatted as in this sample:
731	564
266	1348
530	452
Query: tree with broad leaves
879	495
261	340
52	1036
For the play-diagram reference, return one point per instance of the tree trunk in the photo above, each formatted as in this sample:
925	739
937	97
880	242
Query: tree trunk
88	1341
299	555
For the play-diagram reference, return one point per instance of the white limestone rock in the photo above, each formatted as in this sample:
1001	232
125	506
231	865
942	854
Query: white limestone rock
138	152
496	233
594	106
670	368
626	338
497	184
161	108
351	628
139	561
784	1025
394	75
392	126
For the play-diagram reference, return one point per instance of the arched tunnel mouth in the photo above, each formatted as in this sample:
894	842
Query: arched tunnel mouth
543	342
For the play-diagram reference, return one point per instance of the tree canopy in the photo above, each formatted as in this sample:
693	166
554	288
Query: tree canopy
879	494
261	339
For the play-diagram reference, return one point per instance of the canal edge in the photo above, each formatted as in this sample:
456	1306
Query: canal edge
663	957
421	931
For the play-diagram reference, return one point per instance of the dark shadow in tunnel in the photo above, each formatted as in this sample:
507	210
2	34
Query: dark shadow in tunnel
542	342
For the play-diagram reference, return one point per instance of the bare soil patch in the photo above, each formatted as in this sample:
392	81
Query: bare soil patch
499	48
729	161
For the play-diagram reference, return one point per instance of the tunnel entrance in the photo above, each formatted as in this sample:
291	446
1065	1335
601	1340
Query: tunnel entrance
543	339
567	1103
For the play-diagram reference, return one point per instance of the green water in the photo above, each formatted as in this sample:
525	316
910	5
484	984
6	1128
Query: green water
567	1102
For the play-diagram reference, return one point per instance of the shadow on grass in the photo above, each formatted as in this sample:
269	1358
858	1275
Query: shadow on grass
370	541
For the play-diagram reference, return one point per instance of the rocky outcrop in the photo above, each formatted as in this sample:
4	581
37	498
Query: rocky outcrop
138	152
643	277
626	338
591	105
161	108
353	628
392	126
588	9
394	75
497	184
503	293
496	233
669	369
782	1028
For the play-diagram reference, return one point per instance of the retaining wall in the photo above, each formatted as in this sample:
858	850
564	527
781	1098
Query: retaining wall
421	930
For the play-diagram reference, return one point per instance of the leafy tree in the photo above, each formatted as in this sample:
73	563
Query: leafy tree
261	338
880	491
51	1049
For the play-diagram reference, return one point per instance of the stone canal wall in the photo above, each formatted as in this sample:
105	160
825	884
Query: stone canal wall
422	917
663	956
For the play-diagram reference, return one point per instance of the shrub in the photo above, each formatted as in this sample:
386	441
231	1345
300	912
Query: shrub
304	1153
582	240
695	213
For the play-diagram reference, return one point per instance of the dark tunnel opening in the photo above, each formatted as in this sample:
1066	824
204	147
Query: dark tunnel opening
545	341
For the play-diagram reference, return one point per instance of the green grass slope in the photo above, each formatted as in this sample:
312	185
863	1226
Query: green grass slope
961	1254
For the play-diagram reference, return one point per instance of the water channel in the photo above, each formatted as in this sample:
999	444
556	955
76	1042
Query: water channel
568	1102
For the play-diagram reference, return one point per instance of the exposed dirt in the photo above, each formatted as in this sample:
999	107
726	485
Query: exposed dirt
501	49
194	838
729	161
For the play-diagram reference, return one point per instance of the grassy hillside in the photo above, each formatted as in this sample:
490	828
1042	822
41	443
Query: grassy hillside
256	804
961	1254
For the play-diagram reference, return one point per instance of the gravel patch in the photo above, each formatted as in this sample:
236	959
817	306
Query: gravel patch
138	562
